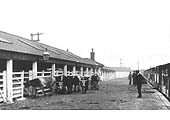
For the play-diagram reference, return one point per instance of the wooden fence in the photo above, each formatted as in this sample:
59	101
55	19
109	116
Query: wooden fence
2	86
44	74
17	85
19	78
59	73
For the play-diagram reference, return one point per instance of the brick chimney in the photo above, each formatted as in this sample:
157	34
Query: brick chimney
92	55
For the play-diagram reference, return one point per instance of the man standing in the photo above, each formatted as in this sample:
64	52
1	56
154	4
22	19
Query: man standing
139	79
130	78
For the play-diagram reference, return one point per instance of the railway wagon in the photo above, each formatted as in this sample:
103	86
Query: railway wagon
159	77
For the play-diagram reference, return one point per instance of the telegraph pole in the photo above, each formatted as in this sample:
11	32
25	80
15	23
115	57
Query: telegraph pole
138	64
38	34
120	65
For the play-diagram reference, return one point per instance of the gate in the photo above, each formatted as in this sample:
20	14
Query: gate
17	85
3	86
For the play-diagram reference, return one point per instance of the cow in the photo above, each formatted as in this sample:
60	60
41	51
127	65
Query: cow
67	84
76	83
84	84
59	84
41	82
64	84
94	82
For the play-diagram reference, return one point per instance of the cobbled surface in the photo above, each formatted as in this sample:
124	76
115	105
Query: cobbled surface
112	95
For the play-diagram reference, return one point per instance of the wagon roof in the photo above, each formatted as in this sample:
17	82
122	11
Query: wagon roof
10	42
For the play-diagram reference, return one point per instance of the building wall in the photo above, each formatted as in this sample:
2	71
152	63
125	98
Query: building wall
108	75
122	74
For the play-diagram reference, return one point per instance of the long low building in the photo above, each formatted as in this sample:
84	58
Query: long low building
108	73
22	59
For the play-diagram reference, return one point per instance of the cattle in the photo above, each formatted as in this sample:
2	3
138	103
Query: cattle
64	84
67	84
84	84
59	84
41	82
94	82
76	83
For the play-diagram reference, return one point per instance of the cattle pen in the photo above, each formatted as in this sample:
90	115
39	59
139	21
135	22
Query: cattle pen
22	59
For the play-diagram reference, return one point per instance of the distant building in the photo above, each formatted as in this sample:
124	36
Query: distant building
121	72
105	73
108	73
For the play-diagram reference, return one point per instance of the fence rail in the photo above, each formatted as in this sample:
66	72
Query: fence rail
19	78
59	73
17	85
2	86
44	74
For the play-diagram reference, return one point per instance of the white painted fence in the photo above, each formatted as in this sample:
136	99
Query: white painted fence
77	73
59	73
87	74
17	85
19	78
26	76
2	86
69	73
44	74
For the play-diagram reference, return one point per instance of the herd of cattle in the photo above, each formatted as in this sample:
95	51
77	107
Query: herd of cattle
61	84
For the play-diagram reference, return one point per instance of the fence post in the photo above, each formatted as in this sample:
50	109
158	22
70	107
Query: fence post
91	71
42	73
9	80
81	71
74	70
4	91
30	74
34	69
53	70
95	70
87	71
65	70
22	83
5	84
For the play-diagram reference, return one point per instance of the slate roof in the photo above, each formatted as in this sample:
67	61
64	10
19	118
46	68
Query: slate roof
94	62
10	42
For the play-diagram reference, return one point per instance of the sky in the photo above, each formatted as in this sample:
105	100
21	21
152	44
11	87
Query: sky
135	31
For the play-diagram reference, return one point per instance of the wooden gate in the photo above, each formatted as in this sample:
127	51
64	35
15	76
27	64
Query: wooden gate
3	86
17	85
